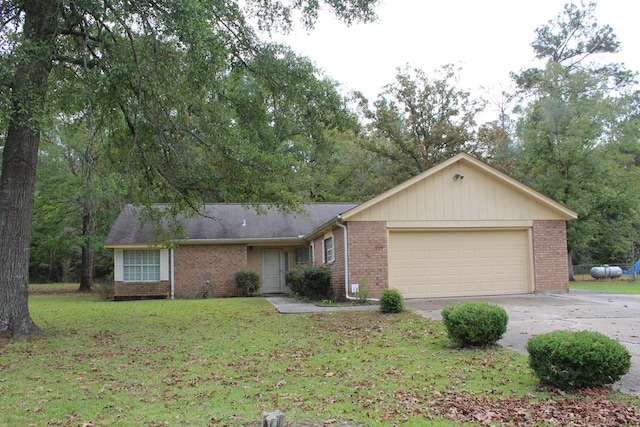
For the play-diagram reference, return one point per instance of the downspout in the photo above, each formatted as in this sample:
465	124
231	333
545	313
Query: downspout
173	275
346	263
346	259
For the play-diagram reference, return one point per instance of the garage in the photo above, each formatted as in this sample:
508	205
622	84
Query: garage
447	263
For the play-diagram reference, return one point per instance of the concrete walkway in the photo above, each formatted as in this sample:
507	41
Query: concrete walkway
614	315
288	305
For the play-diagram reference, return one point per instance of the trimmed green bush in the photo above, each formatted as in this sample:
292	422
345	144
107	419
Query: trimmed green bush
247	281
474	323
311	282
391	301
569	360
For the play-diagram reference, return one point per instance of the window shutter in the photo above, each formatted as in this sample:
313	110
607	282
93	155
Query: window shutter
164	264
118	273
324	252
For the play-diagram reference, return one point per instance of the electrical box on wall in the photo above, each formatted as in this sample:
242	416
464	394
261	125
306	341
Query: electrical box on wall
355	288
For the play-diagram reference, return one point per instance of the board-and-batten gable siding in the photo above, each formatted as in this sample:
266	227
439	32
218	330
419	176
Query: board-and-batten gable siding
479	196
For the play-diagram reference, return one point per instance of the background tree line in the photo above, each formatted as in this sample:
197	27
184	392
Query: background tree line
184	103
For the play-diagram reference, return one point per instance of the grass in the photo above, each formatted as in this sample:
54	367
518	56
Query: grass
225	361
615	286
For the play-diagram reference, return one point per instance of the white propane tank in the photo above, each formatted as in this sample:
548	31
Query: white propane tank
606	272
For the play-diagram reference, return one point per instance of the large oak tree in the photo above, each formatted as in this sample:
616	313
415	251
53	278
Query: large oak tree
198	104
421	120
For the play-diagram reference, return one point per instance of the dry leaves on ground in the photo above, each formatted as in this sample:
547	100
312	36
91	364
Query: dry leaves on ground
585	408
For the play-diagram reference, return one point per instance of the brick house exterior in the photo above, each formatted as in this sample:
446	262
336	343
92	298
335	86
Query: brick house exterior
404	238
550	258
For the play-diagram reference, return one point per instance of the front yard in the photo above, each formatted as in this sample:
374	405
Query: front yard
225	361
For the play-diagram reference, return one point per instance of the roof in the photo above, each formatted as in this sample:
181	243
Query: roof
228	222
561	210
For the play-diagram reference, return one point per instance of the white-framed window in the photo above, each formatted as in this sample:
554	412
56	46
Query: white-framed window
328	253
141	265
302	256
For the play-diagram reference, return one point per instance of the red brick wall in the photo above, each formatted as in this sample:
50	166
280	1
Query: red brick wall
550	262
368	256
217	264
142	289
336	267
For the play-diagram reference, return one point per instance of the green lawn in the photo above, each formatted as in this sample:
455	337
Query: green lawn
225	361
616	286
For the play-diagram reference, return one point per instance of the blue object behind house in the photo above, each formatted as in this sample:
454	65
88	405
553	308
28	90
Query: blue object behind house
635	268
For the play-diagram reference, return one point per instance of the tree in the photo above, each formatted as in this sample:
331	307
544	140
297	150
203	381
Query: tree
496	139
418	122
342	171
572	131
78	195
146	60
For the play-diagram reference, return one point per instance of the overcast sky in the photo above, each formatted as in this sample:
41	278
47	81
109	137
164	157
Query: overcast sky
487	39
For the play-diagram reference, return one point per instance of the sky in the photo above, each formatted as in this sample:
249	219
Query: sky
487	39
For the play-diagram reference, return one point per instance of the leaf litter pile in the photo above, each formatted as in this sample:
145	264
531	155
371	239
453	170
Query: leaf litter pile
587	408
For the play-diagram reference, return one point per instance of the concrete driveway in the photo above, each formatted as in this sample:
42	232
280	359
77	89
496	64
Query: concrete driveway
614	315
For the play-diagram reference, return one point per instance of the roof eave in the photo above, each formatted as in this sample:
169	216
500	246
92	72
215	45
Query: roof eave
324	227
245	241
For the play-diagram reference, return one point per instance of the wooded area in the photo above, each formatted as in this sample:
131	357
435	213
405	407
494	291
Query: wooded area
226	117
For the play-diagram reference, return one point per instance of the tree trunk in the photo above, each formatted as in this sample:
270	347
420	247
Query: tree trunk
86	265
19	161
572	277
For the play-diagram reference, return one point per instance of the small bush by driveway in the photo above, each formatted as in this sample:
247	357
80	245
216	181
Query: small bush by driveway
614	315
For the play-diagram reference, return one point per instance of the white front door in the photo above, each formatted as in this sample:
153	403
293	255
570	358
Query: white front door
272	271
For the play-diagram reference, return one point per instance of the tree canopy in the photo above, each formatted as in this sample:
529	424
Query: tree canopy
420	121
194	104
574	131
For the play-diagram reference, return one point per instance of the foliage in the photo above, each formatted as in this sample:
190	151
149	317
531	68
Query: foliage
570	360
474	323
313	282
575	132
105	288
78	195
419	121
341	170
247	281
219	109
363	293
391	301
158	361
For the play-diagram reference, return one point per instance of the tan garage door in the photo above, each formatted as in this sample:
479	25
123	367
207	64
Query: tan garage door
458	263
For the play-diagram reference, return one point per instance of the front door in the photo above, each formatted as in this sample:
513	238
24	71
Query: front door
272	271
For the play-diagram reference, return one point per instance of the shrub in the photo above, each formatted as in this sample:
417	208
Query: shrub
247	281
311	282
292	280
581	359
391	301
105	288
474	323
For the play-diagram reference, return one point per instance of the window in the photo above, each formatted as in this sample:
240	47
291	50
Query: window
327	250
302	256
141	266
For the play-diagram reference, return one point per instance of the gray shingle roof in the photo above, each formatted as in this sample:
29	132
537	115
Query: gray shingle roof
220	222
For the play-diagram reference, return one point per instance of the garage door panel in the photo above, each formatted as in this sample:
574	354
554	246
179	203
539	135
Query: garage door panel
459	263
